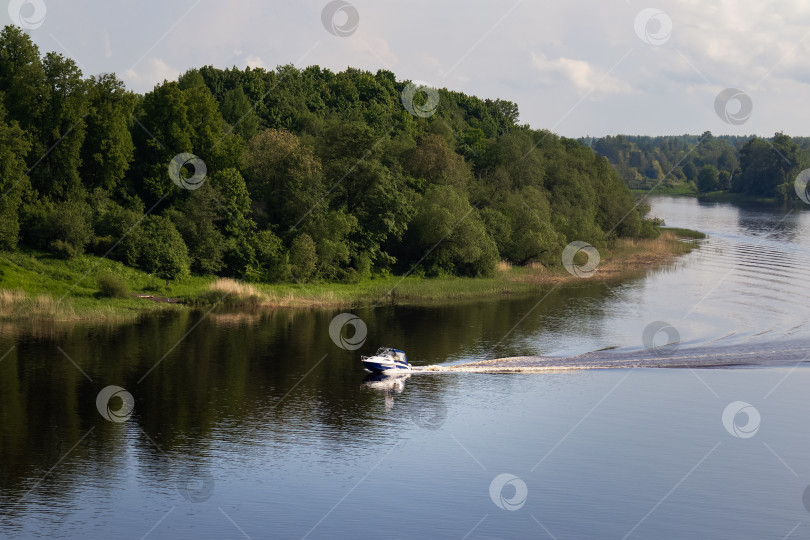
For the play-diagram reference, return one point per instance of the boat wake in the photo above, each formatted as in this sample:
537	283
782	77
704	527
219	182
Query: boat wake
785	353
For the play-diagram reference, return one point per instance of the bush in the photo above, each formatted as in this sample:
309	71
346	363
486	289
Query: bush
303	258
63	249
116	226
272	259
70	228
112	286
161	250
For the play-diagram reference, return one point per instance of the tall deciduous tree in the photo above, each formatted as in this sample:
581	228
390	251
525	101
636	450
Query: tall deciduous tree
238	112
767	164
22	78
449	235
708	178
284	177
108	149
13	182
62	128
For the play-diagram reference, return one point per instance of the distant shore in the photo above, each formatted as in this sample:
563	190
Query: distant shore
39	287
724	196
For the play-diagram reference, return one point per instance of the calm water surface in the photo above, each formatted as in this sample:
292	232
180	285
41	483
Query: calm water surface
258	425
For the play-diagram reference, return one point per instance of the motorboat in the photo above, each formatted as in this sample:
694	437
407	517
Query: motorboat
386	360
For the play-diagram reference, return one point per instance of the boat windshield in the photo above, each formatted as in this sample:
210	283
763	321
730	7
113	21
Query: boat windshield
395	353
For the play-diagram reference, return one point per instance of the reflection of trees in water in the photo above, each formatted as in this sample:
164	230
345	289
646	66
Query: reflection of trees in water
477	328
258	379
780	223
771	224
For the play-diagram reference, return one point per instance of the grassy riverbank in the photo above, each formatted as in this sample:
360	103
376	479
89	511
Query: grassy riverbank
678	190
35	285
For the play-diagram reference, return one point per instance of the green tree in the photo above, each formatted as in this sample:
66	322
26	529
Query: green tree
450	236
22	78
174	121
163	113
272	260
196	219
284	178
13	182
238	112
532	238
433	160
499	228
233	201
363	187
60	130
108	148
162	251
724	180
303	258
516	153
343	181
331	231
690	171
117	232
766	165
708	178
69	227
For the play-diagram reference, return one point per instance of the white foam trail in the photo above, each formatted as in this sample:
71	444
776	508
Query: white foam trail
746	355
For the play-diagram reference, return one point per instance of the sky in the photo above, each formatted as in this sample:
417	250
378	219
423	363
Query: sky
575	67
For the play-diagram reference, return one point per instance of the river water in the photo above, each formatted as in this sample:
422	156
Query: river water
261	426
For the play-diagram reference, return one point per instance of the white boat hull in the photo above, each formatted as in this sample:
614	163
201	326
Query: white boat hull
377	364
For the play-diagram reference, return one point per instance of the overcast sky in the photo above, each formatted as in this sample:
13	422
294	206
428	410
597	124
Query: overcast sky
576	67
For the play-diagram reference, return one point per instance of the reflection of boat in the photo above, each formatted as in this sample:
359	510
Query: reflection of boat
386	383
389	383
386	360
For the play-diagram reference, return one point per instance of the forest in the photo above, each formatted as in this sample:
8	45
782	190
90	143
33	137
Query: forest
748	165
289	174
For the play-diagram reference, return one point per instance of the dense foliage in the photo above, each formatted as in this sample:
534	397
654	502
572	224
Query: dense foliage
749	165
311	175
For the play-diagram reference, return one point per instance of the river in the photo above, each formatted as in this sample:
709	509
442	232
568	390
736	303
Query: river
261	425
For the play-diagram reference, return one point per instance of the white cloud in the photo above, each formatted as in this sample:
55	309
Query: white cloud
581	74
252	61
744	42
383	50
150	72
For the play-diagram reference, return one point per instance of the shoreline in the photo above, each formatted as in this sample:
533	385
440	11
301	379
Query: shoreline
719	196
626	259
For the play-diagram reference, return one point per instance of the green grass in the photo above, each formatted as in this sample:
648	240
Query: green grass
410	289
74	288
685	233
676	190
414	288
34	284
73	284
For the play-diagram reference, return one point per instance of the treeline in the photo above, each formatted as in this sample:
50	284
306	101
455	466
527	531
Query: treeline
756	166
311	175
